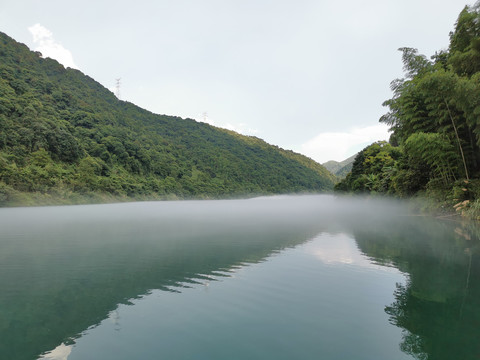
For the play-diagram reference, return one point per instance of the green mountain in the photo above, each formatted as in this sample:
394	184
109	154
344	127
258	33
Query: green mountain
340	168
66	138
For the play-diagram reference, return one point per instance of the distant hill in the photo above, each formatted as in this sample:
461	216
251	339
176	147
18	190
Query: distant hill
66	138
342	168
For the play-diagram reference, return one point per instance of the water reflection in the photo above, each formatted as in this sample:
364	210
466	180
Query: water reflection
290	306
340	248
61	352
439	307
65	269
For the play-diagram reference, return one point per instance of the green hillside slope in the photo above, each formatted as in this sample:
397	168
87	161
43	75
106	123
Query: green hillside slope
65	137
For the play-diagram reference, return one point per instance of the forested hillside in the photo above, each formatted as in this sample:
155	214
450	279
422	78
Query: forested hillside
434	116
64	137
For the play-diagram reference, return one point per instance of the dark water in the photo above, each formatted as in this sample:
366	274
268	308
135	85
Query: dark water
311	277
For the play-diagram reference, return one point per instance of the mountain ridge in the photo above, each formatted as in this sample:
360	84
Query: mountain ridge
340	168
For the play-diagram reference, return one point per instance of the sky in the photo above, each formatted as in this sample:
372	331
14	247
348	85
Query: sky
305	75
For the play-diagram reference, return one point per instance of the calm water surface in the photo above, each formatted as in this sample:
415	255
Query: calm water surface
289	277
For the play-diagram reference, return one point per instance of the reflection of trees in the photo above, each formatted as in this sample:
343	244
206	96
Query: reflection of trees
439	306
60	278
400	315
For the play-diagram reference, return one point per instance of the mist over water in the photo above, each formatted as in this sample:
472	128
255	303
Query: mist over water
281	264
274	208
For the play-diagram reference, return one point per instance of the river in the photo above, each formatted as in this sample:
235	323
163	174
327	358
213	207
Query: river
285	277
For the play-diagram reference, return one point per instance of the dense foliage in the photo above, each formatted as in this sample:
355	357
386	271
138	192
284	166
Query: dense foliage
435	123
63	135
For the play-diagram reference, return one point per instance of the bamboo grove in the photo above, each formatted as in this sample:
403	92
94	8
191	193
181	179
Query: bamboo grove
434	119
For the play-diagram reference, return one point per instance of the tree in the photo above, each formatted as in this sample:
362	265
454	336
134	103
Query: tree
439	89
437	152
371	170
408	111
464	46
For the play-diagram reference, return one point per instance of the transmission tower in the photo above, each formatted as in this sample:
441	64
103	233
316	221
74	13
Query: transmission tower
117	88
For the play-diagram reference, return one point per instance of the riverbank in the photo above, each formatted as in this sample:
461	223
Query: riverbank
10	197
459	202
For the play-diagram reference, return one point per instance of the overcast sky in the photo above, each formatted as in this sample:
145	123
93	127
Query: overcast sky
306	75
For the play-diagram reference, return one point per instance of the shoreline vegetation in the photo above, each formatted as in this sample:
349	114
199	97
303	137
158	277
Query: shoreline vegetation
434	149
460	198
60	197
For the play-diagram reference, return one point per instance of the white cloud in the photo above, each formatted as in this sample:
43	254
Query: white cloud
338	249
341	145
46	44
